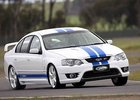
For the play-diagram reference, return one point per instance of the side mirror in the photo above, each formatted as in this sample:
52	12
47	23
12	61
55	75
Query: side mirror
34	51
109	41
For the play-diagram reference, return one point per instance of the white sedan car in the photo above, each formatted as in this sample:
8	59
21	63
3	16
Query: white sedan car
61	56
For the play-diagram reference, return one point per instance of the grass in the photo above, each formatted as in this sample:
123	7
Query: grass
134	60
128	44
1	53
135	76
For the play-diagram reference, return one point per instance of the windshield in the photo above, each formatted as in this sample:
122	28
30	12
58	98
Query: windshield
72	39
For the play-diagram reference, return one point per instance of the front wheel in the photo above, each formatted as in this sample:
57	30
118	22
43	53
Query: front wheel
119	81
53	78
14	81
79	84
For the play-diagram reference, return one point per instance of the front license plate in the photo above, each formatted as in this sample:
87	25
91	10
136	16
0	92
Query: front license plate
101	68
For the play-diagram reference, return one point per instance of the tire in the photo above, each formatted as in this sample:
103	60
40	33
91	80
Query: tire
80	84
54	79
119	81
13	80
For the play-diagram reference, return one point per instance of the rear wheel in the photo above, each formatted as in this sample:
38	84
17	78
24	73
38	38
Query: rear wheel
53	78
14	81
119	81
79	84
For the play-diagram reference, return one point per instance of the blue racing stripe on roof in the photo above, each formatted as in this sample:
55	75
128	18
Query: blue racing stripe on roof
59	30
69	30
91	54
101	54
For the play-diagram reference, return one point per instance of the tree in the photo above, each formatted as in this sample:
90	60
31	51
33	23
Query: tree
17	19
110	10
66	6
137	7
59	19
52	2
43	12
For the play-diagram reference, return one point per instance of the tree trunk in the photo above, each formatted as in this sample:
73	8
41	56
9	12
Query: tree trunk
66	6
52	2
43	12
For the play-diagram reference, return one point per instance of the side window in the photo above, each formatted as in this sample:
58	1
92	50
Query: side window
18	48
35	44
25	45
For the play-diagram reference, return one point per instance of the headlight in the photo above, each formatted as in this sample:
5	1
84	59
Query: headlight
120	56
71	62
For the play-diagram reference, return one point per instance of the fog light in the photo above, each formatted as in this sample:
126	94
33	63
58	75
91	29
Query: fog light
125	69
72	75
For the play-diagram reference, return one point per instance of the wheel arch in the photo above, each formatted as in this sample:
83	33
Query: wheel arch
9	68
48	71
49	66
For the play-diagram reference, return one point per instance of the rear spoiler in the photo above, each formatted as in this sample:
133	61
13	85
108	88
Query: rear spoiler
9	46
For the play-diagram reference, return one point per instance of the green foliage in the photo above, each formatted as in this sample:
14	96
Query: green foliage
29	19
17	20
59	19
103	25
73	21
119	13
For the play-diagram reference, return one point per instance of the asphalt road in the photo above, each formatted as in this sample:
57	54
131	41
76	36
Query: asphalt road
102	87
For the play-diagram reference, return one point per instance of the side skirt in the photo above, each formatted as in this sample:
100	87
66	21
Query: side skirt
25	81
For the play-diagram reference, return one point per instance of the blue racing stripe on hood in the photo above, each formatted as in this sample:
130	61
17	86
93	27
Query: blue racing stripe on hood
91	54
101	53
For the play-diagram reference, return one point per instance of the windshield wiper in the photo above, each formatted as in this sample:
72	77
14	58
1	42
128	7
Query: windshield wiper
81	45
97	43
72	46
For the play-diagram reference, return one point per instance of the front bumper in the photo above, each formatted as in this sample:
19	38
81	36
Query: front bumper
91	75
85	72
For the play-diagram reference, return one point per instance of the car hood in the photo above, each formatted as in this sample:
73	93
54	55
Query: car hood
88	51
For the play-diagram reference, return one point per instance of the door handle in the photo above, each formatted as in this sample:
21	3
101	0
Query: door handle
28	59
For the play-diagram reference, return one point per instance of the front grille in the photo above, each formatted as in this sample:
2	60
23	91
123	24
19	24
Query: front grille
98	59
92	74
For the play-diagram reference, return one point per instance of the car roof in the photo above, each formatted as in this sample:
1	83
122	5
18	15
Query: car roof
57	30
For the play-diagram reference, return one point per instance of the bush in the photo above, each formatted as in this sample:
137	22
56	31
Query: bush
17	20
59	19
111	11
